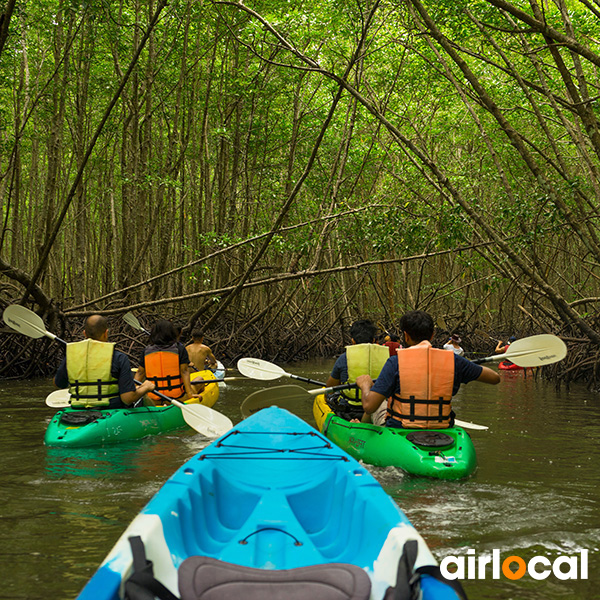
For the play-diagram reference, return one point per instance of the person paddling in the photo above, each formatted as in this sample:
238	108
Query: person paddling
97	375
362	356
421	380
501	348
166	362
454	344
200	354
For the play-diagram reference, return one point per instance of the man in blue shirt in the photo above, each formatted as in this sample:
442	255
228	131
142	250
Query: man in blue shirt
96	328
417	327
361	332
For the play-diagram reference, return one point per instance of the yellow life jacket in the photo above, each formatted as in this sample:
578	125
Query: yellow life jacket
426	381
88	368
162	367
365	359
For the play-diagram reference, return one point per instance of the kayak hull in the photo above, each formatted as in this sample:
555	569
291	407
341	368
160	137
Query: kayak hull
250	499
392	447
509	366
122	424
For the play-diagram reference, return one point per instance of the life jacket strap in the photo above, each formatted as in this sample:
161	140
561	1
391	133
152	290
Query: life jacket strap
98	384
413	403
172	382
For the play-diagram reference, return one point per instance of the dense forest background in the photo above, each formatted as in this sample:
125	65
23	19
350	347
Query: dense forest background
274	170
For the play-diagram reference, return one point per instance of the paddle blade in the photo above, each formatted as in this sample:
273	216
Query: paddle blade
133	321
59	399
467	425
536	351
284	396
255	368
25	321
204	420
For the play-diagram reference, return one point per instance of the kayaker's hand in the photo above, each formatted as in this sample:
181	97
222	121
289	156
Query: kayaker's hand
147	386
198	384
364	383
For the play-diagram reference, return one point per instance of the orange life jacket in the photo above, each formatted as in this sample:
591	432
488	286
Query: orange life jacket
162	367
426	381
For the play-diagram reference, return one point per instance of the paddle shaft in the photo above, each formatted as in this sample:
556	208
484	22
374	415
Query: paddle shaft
287	396
508	355
157	393
306	379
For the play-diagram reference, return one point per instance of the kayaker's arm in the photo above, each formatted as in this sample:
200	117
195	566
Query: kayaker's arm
371	401
489	376
332	381
130	398
211	360
501	347
185	375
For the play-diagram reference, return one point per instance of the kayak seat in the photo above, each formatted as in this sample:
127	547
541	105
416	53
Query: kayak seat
82	417
430	439
340	503
205	578
208	524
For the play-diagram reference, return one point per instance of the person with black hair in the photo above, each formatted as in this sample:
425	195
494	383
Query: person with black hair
420	381
454	344
200	354
166	362
392	341
362	356
97	375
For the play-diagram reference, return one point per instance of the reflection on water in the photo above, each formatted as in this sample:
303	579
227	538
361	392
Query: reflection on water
535	491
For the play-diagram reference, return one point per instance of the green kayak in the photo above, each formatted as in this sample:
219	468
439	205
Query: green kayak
445	454
79	428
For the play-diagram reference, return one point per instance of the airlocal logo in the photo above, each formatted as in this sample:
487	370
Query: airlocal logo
514	567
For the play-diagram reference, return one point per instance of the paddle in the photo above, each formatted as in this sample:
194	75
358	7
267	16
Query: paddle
132	320
197	416
59	399
289	396
533	351
25	321
255	368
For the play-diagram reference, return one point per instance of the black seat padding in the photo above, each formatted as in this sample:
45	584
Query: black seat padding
203	578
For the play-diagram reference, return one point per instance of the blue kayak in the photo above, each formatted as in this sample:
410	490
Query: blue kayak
272	507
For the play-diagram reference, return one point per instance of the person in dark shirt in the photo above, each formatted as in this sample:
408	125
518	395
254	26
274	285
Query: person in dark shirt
166	362
96	328
418	329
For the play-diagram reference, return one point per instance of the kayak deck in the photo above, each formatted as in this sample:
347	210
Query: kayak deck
272	494
444	454
116	425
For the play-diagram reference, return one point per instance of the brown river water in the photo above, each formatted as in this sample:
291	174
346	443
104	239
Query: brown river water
536	491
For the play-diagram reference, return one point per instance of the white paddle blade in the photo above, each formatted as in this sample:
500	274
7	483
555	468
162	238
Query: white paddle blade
536	351
255	368
59	399
25	321
204	420
132	320
467	425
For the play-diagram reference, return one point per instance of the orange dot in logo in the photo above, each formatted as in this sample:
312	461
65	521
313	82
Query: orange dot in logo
508	572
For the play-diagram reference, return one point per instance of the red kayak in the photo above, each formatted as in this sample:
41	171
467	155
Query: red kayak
506	365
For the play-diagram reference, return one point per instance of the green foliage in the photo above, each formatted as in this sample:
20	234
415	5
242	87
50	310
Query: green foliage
218	121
